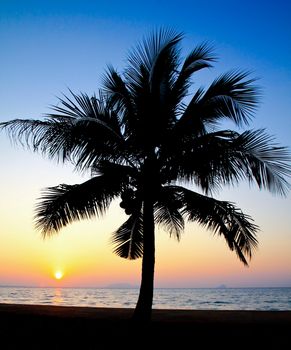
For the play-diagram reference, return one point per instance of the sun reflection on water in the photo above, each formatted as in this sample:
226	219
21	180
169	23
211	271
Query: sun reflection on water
58	298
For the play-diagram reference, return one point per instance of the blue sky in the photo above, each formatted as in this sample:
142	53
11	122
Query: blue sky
50	46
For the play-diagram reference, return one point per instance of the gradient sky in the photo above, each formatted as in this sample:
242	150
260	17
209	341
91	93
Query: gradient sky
50	46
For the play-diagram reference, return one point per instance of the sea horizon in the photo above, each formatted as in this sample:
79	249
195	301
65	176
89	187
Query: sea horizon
121	286
227	298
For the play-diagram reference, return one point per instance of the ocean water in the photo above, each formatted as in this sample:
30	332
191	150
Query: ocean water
164	298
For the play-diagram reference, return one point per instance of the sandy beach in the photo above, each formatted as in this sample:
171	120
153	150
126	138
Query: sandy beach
61	327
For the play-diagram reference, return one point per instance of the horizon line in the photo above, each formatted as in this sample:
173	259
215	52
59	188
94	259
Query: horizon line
135	287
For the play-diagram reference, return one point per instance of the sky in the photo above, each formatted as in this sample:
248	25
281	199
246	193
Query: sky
50	46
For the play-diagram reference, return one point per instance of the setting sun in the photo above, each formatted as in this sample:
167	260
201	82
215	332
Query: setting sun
58	275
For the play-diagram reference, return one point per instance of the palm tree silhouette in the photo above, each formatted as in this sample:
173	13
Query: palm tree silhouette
142	137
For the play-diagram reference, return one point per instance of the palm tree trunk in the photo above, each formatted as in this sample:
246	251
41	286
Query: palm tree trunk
143	308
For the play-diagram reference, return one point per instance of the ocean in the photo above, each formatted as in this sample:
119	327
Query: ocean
268	299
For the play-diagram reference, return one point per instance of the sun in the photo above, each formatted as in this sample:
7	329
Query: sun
58	275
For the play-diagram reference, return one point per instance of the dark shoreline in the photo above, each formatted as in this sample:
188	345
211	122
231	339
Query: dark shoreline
66	327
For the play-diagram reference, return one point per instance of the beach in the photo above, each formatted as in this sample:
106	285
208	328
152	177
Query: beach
65	327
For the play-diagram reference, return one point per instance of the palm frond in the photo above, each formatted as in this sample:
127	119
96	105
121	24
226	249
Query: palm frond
222	218
150	76
263	161
199	58
128	239
232	95
88	109
115	169
202	160
117	89
226	157
120	96
165	64
24	131
166	212
84	132
153	63
149	50
63	204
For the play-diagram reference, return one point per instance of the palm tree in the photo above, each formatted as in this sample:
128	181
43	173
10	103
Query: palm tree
142	137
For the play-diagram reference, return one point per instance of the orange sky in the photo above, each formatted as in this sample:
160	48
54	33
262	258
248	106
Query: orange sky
82	251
